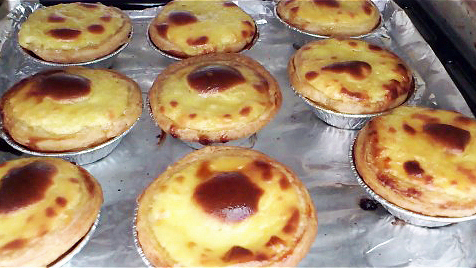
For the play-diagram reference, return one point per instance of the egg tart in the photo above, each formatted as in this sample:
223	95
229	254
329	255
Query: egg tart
70	109
74	32
214	98
46	206
420	159
226	206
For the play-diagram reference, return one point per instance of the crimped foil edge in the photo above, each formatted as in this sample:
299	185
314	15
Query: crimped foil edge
136	238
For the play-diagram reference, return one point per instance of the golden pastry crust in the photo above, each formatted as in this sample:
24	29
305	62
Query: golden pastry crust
214	98
75	32
189	28
70	109
46	206
226	206
350	76
421	159
338	18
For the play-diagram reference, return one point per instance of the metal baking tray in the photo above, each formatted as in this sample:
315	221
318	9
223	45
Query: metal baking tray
348	235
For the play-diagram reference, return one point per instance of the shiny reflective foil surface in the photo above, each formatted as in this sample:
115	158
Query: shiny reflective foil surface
348	236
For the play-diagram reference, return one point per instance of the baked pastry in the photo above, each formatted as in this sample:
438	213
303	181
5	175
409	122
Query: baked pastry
74	32
226	206
420	159
70	109
350	76
214	98
46	206
330	17
189	28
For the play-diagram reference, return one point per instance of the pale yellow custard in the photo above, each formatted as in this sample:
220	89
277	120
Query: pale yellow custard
46	206
221	206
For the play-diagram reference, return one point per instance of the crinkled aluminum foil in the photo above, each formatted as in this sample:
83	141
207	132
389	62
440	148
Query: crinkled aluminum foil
318	153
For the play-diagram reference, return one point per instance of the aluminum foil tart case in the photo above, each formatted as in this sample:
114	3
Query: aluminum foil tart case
374	31
403	214
66	257
34	61
357	121
79	157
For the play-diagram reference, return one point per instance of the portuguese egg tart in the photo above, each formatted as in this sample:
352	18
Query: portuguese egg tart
330	17
226	206
74	32
350	76
70	109
420	159
214	98
46	206
189	28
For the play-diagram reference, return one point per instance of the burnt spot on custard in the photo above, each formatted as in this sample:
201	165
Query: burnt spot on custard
162	29
274	241
284	183
375	48
173	103
294	9
367	8
202	40
88	181
327	3
245	111
64	33
204	171
181	18
37	176
55	18
265	169
96	29
106	18
238	254
61	201
228	196
425	118
353	95
262	87
50	212
192	116
352	44
408	129
467	172
358	70
413	168
293	223
60	86
15	244
464	120
311	75
454	139
214	78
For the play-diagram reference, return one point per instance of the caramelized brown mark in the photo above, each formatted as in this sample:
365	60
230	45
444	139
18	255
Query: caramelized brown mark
261	257
26	185
401	70
288	2
173	103
55	18
413	168
202	40
106	18
453	138
227	115
192	116
204	140
61	86
353	95
392	129
238	254
356	69
387	181
229	4
428	179
229	196
73	180
180	178
352	43
412	192
15	244
293	223
88	180
262	87
367	7
162	109
275	240
245	33
61	201
468	172
182	18
162	29
327	3
265	169
245	111
311	75
64	33
214	78
294	9
88	5
426	118
191	244
393	89
464	120
245	22
374	47
408	129
284	183
50	212
96	28
204	171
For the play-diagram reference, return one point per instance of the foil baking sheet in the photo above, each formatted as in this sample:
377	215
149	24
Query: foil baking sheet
318	153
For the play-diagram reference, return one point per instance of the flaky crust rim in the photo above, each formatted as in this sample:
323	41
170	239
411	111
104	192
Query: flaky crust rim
346	107
159	257
87	138
368	171
47	249
325	31
194	135
89	53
